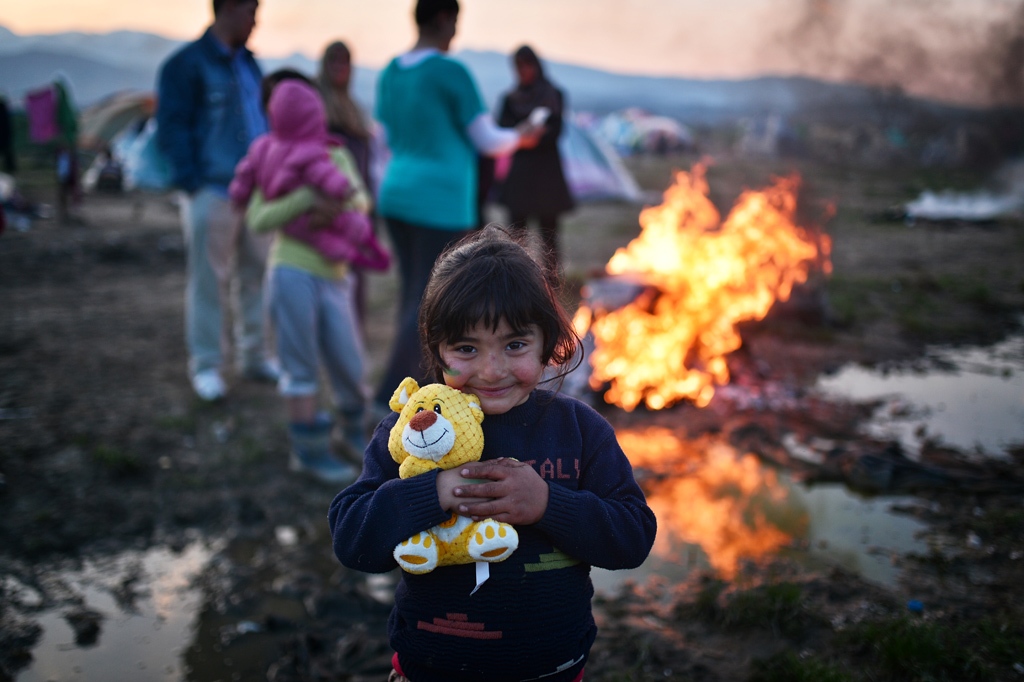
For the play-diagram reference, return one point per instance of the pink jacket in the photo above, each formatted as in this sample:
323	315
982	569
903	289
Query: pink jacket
294	153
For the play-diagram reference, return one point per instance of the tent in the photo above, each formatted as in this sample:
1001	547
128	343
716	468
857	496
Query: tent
101	123
592	167
635	131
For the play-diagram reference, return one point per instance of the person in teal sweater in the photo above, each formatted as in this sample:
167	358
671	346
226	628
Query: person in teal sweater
436	124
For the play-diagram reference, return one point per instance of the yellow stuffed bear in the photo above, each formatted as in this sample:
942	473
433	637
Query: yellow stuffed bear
439	428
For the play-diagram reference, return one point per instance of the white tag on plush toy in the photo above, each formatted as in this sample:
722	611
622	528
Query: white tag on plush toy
483	572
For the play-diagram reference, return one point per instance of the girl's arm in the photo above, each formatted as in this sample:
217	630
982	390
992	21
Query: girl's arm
264	216
606	522
370	517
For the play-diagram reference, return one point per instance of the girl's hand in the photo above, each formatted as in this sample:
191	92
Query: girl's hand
518	494
324	211
447	482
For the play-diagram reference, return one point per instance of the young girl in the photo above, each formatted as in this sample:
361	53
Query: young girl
310	302
492	324
295	153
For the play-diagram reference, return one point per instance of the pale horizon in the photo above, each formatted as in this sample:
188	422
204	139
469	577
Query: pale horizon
933	49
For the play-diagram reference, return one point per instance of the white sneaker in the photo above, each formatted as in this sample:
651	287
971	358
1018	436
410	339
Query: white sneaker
209	386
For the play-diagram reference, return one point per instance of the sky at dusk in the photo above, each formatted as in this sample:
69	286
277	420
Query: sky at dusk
928	47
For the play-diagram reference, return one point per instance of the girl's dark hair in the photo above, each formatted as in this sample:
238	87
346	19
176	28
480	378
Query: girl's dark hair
428	10
270	81
487	277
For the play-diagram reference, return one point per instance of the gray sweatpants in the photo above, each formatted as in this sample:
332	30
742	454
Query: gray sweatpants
316	324
222	255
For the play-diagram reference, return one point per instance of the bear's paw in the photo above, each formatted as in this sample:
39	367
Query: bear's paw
493	541
418	554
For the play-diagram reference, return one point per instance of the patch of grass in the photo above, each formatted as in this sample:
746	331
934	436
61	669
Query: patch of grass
851	301
1000	525
789	667
117	461
706	605
918	651
776	606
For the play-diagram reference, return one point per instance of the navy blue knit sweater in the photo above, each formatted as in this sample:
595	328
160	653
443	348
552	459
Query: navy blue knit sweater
532	618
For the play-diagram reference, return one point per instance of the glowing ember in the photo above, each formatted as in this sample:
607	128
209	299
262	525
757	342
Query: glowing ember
703	277
704	493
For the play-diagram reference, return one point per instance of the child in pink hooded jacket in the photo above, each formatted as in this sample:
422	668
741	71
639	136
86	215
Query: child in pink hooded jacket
295	153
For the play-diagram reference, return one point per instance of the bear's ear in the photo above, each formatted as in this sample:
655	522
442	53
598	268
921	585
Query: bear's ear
474	407
403	393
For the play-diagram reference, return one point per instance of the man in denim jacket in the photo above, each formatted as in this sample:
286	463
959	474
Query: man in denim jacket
209	111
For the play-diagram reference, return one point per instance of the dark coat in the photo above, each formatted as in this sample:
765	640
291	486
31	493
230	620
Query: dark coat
536	184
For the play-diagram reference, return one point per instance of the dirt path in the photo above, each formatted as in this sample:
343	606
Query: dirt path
103	446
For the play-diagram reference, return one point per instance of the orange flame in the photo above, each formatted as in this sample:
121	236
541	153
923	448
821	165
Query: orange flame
705	493
704	277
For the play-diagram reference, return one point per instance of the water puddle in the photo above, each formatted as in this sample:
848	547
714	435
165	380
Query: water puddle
142	634
718	507
971	399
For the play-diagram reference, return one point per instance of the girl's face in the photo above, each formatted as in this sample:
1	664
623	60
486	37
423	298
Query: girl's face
500	366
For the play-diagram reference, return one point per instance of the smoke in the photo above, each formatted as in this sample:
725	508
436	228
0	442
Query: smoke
1000	63
958	51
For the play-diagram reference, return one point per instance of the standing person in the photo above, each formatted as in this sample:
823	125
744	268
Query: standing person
310	294
535	186
346	121
7	138
209	111
69	188
436	124
492	323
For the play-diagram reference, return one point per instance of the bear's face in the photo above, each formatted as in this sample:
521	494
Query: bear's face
438	428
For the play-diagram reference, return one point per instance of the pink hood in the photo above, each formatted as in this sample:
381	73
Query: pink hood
297	112
294	152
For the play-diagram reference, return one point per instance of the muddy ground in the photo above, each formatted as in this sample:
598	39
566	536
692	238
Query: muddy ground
104	448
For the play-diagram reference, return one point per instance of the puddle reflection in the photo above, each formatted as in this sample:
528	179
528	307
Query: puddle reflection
717	507
968	398
141	639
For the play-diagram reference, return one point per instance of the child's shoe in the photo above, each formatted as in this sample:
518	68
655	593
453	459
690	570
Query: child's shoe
311	452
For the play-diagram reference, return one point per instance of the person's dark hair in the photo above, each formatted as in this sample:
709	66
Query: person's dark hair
487	277
271	80
218	4
526	55
428	10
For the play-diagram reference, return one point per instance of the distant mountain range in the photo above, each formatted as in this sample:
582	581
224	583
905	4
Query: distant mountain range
98	65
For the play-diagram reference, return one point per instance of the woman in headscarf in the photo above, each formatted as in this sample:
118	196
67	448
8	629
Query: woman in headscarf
347	122
344	117
535	186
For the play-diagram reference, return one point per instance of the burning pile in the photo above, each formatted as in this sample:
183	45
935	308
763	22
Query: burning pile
702	278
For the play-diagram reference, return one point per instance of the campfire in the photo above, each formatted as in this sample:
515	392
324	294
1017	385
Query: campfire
698	277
